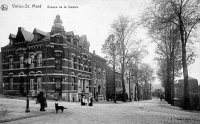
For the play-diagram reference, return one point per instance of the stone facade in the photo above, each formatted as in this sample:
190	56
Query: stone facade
55	61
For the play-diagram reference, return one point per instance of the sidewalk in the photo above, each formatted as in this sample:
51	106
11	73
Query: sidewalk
14	109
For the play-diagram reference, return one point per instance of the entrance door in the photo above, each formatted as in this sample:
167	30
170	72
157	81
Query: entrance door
58	86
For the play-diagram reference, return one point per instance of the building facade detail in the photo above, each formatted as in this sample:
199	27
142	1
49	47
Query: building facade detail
59	62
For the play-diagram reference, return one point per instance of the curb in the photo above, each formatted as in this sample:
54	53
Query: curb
24	117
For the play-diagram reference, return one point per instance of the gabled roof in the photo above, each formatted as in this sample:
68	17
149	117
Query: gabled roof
71	33
76	36
37	31
12	36
47	36
28	36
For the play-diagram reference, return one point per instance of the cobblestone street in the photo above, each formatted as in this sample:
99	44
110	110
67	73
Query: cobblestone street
143	112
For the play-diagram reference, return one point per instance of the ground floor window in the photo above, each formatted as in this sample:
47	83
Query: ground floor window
31	84
11	83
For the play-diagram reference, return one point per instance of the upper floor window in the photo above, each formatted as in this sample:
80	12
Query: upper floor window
58	40
74	86
21	61
10	63
74	62
58	61
39	60
32	61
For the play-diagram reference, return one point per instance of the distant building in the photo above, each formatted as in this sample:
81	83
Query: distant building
59	62
193	92
110	85
1	81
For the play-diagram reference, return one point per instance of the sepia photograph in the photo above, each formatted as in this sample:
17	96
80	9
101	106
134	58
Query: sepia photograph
100	61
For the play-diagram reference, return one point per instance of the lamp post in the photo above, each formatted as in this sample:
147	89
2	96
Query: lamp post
28	61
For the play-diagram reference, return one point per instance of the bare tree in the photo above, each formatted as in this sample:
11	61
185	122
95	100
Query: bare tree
110	49
185	15
145	76
123	29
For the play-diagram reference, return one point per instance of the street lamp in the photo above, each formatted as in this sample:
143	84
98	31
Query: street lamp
28	62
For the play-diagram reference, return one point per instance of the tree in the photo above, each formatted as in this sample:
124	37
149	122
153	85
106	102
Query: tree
110	49
145	76
123	29
185	16
133	66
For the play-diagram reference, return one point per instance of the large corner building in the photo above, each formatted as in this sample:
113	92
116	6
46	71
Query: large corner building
56	61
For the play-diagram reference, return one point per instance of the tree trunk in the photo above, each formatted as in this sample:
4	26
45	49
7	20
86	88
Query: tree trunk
186	99
172	82
114	86
186	104
124	89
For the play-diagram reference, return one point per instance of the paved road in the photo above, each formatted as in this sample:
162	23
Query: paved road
143	112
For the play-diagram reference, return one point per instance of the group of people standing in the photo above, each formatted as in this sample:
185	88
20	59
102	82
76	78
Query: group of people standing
86	101
41	99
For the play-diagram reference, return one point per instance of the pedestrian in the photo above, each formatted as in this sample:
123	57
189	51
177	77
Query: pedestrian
161	97
90	100
56	96
42	100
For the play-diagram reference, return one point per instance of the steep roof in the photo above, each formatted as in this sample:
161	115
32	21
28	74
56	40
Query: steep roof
12	36
28	36
71	33
37	31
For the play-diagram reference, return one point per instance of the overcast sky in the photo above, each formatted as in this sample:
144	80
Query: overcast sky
92	18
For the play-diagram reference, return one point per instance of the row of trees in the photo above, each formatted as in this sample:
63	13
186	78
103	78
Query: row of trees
123	51
171	24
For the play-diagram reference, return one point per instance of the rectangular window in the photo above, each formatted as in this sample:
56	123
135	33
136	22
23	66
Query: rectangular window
74	83
11	83
79	85
21	61
39	80
31	84
32	61
58	61
39	60
58	83
11	63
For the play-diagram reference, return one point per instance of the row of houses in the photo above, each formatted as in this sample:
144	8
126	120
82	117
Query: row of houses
55	61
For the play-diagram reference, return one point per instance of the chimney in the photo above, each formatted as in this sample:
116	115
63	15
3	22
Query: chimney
93	51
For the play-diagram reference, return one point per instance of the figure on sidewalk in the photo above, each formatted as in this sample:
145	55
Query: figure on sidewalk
90	100
56	96
42	100
82	99
161	97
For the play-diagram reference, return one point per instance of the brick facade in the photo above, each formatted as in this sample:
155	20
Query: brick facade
58	61
110	85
